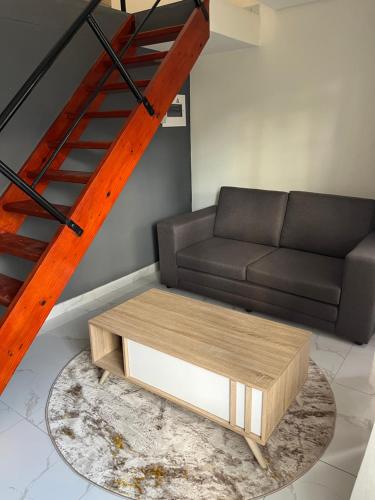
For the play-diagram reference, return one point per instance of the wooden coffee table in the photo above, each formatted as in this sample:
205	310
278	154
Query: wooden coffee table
239	370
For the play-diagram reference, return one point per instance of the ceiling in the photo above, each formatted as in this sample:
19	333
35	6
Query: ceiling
282	4
275	4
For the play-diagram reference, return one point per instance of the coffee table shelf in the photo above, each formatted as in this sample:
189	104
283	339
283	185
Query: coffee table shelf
113	362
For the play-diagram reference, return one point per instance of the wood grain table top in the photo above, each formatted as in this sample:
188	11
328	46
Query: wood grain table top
243	347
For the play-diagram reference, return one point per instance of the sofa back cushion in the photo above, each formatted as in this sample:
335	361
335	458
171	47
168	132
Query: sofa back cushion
252	215
326	224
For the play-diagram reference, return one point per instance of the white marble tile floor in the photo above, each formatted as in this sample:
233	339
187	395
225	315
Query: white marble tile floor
31	469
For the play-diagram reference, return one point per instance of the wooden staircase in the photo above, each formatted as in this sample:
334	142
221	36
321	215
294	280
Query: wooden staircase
29	303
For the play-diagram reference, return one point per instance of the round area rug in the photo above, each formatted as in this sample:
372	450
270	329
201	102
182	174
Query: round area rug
140	446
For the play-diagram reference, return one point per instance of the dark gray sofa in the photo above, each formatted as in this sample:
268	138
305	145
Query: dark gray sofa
301	256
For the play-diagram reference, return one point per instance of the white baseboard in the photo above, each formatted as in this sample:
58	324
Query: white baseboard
101	291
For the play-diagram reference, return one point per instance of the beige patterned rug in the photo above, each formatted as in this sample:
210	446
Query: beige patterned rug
140	446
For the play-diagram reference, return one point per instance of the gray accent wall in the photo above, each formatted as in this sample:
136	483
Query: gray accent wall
168	15
161	183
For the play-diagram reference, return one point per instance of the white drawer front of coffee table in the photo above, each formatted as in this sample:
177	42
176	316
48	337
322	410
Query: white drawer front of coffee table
256	409
240	405
190	383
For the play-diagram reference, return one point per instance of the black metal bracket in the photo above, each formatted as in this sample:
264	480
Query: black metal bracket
34	195
74	227
200	5
117	61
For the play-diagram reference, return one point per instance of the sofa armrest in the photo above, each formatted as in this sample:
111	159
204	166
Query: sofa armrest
180	232
356	319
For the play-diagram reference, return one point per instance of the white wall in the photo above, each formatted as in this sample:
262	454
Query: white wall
296	113
234	22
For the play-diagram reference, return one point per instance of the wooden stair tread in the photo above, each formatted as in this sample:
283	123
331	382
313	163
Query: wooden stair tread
21	246
32	208
121	113
159	35
141	60
8	289
145	58
72	176
121	86
83	145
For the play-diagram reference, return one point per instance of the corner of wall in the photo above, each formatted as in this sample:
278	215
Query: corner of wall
268	20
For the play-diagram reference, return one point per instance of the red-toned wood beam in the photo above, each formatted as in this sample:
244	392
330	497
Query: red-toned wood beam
123	87
160	35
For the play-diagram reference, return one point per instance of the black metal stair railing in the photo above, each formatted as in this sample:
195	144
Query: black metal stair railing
95	92
41	70
200	5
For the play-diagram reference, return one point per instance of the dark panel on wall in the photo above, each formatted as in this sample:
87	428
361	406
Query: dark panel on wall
159	187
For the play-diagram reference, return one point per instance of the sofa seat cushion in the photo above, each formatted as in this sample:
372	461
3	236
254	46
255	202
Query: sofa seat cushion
306	274
221	256
259	294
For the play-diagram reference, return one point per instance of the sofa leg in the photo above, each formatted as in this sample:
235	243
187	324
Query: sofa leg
249	310
357	342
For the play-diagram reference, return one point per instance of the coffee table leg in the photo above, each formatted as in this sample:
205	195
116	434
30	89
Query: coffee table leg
254	447
104	377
